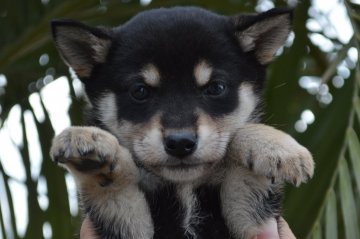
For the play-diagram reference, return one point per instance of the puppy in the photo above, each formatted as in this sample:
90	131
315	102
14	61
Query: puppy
174	148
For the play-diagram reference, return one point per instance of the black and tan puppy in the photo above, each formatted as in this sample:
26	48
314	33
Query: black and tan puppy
176	151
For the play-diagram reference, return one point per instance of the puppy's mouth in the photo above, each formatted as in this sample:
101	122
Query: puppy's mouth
181	170
182	164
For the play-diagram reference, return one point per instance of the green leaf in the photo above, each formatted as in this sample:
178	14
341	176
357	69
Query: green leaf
331	225
325	139
354	149
357	109
347	202
317	233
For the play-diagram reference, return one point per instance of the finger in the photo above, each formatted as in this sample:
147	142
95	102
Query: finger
87	230
269	230
284	230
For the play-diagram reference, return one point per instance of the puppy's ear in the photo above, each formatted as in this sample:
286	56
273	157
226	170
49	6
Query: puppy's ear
81	46
264	33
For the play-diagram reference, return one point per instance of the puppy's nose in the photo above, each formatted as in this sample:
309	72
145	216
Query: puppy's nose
180	144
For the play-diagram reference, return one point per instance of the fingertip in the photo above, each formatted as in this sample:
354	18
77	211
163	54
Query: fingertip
284	229
87	230
269	230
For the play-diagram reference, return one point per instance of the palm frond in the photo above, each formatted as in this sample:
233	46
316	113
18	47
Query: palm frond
330	201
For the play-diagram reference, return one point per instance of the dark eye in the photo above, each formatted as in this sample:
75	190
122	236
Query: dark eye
140	93
215	88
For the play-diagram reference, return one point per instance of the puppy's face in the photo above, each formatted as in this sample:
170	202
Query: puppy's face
174	84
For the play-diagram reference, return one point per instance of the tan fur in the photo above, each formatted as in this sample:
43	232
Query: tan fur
239	191
202	73
270	147
81	65
189	204
151	75
244	112
239	185
257	155
101	48
239	156
121	199
265	51
146	141
270	152
213	139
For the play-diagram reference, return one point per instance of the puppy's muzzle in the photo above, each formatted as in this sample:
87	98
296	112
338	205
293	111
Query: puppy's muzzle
180	144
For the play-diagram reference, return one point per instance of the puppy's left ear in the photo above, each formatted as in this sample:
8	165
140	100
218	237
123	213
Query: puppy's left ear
264	33
82	47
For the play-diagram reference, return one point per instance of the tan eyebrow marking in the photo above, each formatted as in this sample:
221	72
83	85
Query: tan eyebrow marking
151	75
202	73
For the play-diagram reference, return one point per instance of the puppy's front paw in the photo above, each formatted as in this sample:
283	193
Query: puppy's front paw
85	148
272	153
91	151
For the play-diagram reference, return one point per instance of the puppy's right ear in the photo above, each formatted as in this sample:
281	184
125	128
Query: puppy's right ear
263	33
81	46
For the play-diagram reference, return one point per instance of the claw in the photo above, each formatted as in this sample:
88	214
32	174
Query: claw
271	178
58	158
296	182
102	157
249	161
85	151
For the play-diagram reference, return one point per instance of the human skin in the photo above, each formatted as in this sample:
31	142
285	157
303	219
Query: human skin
270	230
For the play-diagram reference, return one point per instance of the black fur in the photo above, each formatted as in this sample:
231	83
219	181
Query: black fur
212	225
174	40
102	228
168	214
149	37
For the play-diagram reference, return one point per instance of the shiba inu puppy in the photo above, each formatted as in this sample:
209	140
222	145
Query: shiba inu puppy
175	149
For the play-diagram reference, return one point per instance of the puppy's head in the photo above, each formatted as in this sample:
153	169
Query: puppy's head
174	84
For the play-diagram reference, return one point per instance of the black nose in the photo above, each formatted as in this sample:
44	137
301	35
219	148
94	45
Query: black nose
180	144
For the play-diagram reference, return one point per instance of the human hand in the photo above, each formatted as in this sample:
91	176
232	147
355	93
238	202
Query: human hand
272	230
276	230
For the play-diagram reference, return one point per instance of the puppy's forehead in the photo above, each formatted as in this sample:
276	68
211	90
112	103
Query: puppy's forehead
181	46
202	72
176	36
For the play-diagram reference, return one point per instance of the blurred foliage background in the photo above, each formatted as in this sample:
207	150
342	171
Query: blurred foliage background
312	93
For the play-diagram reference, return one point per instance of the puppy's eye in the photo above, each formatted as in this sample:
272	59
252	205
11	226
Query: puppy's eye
140	93
215	88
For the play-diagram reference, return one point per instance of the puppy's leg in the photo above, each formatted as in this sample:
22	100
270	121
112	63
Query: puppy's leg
249	202
272	153
107	181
